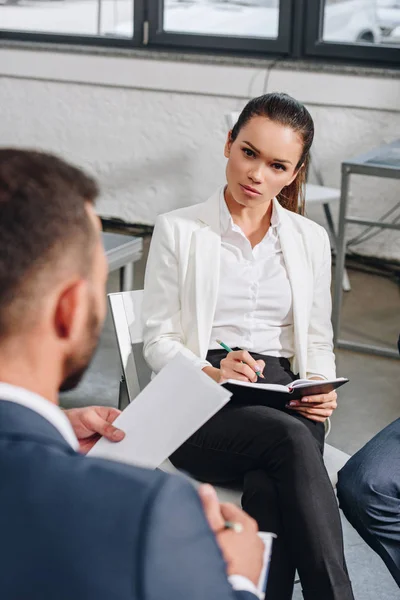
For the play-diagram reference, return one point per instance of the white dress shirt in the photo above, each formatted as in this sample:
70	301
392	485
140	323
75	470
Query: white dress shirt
43	407
55	416
254	305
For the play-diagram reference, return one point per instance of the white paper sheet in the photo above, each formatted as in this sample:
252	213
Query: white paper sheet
179	400
268	539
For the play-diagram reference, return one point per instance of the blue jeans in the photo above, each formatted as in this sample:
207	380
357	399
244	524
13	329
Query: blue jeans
369	495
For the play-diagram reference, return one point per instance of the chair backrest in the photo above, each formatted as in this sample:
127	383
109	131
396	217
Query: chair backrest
126	310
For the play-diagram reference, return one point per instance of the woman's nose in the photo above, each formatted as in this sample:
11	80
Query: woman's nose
255	174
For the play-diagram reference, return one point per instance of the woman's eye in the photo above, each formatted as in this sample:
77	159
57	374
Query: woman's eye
278	167
248	152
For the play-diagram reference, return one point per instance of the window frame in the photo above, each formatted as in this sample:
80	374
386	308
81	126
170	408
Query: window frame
300	26
276	46
316	47
85	40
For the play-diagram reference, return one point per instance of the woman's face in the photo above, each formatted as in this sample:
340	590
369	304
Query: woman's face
261	161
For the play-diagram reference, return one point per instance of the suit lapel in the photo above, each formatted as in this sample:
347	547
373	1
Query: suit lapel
295	260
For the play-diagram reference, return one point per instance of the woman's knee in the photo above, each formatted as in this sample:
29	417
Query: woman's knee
297	434
296	440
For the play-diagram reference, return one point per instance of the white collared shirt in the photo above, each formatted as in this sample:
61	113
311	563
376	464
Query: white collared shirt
254	304
45	408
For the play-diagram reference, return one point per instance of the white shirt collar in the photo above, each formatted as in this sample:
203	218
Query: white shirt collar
226	221
43	407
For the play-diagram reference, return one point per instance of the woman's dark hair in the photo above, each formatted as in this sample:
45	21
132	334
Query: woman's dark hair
283	109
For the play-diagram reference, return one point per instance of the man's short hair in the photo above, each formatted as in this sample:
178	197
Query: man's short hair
45	230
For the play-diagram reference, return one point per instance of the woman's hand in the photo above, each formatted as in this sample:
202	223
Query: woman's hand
316	408
238	364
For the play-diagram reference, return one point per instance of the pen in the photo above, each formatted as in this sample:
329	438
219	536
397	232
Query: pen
225	347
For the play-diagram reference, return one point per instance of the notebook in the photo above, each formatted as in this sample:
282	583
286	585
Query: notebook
179	400
294	391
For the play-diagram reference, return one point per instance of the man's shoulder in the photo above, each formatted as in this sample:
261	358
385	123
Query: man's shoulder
90	496
87	515
83	480
120	484
121	475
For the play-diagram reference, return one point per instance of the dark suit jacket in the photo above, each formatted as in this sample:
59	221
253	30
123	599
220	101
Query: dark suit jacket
78	528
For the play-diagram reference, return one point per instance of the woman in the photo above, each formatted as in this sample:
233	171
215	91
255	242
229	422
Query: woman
247	269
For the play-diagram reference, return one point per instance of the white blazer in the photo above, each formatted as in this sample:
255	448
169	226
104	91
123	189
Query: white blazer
182	277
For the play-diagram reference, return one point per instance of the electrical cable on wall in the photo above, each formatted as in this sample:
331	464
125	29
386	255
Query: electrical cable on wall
268	74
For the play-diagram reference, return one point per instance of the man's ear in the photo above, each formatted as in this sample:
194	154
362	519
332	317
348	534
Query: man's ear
228	144
71	310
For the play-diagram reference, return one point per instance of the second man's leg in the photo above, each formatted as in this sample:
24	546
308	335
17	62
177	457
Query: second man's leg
369	494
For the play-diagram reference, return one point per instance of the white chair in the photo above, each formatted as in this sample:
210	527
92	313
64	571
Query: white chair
314	195
126	308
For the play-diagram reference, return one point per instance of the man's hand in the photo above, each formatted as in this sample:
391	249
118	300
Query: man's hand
243	552
92	422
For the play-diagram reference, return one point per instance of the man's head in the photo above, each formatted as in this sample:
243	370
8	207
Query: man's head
52	264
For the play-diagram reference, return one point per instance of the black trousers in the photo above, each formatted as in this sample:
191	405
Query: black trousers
276	455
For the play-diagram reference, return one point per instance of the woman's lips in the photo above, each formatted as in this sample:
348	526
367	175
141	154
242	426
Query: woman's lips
249	191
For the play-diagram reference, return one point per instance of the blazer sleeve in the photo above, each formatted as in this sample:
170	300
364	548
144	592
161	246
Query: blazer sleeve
320	356
181	558
161	312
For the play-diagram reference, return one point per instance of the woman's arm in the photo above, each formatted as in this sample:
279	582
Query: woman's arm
161	313
320	356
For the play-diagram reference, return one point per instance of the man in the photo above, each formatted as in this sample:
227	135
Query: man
369	494
72	527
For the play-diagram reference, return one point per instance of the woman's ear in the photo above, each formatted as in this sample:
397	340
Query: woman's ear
228	144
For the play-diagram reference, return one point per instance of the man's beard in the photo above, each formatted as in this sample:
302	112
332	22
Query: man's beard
76	365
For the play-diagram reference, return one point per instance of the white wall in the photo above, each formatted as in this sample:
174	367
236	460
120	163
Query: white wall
153	131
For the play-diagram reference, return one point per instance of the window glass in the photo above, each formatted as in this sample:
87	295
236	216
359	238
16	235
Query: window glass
75	17
362	21
239	18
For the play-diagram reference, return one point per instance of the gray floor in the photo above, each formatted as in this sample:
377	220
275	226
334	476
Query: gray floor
368	403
